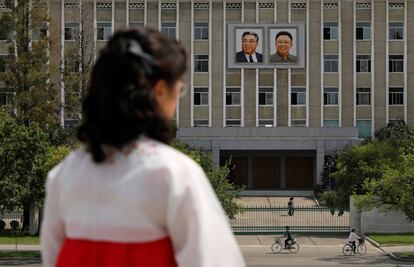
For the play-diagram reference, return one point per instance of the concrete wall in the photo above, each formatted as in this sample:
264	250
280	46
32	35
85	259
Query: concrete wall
376	221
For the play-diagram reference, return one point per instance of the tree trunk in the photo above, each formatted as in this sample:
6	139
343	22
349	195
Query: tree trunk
26	217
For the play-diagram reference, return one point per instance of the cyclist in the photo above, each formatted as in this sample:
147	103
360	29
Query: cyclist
288	236
352	240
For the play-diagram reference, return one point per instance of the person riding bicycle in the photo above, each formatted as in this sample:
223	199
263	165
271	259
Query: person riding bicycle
288	236
352	240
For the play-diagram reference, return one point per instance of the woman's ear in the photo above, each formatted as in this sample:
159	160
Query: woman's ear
160	90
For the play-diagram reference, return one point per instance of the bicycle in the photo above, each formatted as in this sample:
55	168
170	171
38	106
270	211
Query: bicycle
277	246
361	248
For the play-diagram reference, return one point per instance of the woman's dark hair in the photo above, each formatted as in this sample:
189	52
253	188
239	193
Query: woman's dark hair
119	103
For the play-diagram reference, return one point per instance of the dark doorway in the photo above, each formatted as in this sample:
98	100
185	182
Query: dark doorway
266	173
299	172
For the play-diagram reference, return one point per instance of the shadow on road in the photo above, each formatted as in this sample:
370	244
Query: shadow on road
366	260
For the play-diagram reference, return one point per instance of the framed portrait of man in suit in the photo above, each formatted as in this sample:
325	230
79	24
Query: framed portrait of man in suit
248	46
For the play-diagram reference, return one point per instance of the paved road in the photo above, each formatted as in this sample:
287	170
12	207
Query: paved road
315	251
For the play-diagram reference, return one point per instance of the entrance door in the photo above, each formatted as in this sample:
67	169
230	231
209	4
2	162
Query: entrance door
299	172
238	170
266	173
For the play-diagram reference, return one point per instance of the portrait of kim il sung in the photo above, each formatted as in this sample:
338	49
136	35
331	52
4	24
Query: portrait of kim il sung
249	46
283	47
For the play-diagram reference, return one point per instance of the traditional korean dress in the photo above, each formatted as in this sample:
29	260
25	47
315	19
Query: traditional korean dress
148	205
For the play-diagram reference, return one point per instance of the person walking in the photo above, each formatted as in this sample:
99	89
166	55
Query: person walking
126	198
291	209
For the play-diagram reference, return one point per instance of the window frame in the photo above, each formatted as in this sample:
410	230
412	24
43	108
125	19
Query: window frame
331	61
396	65
201	30
363	25
70	27
360	94
203	63
361	61
203	95
106	36
327	30
266	91
395	96
300	95
236	91
328	91
396	30
169	29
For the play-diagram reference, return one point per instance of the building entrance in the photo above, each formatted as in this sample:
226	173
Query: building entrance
271	170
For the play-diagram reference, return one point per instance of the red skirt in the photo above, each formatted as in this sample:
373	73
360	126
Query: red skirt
77	252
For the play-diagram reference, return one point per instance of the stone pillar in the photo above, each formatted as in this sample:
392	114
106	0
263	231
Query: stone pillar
283	171
215	150
320	160
354	217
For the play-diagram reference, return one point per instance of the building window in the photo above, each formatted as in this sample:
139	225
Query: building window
330	96
233	96
363	63
3	63
233	123
71	31
396	96
265	123
200	96
330	123
201	30
363	30
103	30
330	31
298	96
396	30
39	31
71	123
330	63
200	123
364	128
396	63
201	63
169	29
265	96
363	96
298	123
6	98
71	65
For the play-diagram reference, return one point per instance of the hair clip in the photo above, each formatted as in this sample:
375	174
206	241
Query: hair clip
135	48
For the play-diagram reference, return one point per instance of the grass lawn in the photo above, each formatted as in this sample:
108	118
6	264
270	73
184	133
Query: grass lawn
393	239
405	255
19	254
21	240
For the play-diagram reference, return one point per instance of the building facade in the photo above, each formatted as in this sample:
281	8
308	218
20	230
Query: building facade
276	125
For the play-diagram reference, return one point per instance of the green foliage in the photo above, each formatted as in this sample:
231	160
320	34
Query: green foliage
226	192
378	173
28	69
23	154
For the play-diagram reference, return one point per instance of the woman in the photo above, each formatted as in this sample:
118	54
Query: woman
126	198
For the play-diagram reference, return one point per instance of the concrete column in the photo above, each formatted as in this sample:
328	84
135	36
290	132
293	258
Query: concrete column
215	150
354	217
250	172
282	172
320	160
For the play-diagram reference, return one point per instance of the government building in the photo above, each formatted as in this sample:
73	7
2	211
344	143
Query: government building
277	123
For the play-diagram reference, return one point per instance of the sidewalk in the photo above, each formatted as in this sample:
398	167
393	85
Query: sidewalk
275	201
20	247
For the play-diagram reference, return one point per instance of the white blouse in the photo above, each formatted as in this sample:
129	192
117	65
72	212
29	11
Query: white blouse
146	192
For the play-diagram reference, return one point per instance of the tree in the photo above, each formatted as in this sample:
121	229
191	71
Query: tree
226	192
24	152
78	63
28	69
394	191
378	173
